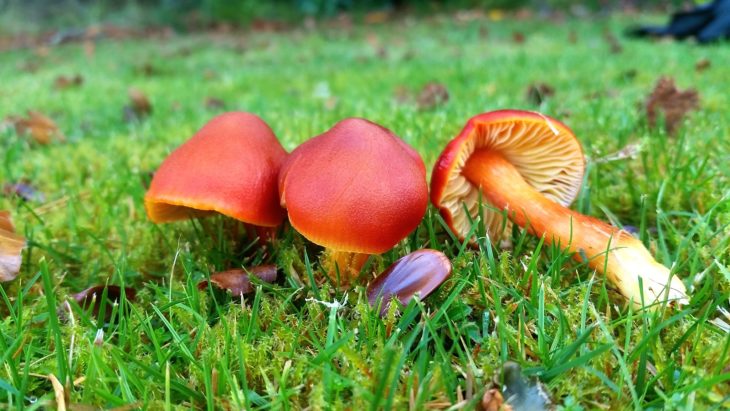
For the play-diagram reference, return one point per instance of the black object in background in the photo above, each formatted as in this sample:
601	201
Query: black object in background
708	22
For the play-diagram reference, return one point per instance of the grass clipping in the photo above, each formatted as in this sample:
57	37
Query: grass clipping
11	247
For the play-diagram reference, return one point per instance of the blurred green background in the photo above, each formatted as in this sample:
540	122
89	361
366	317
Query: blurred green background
43	15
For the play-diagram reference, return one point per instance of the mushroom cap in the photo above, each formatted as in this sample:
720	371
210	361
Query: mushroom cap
229	166
356	187
544	151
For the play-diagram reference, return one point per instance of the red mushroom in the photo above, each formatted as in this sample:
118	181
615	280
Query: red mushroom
229	166
532	166
357	190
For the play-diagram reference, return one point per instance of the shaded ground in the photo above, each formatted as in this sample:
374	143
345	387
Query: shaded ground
176	344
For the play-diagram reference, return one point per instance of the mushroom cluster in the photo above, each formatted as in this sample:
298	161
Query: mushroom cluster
358	190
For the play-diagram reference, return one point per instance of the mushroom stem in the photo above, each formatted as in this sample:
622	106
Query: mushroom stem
343	267
609	250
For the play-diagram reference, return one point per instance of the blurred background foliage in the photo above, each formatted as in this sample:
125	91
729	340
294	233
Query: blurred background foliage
39	15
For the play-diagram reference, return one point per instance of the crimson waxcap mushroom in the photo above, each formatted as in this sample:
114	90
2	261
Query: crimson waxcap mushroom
229	166
357	188
542	149
532	165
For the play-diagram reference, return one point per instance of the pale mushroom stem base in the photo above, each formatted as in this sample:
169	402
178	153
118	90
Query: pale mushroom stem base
343	267
621	257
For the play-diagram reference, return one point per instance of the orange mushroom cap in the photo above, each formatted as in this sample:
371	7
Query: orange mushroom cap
544	151
355	188
229	166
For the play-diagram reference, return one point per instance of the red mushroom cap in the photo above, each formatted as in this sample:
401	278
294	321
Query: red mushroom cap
356	188
229	166
544	151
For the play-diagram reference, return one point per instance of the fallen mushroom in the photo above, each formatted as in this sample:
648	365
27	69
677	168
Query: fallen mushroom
419	272
532	166
229	167
238	281
356	189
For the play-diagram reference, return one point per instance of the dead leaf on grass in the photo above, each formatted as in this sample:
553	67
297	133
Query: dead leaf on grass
702	65
11	248
148	70
539	92
213	103
63	82
40	127
238	281
139	107
376	17
518	37
667	101
432	95
92	298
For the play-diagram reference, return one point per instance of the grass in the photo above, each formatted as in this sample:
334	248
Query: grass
176	347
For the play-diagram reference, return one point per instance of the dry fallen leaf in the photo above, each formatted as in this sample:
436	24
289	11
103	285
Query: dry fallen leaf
376	17
40	127
64	82
518	37
432	95
538	92
92	297
673	104
702	65
213	103
492	400
237	281
11	247
139	106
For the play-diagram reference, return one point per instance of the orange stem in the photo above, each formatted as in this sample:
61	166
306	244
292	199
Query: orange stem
343	265
609	250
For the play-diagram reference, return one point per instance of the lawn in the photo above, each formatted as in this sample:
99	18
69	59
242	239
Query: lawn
287	346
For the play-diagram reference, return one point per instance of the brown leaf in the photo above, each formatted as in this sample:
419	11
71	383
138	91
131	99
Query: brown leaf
376	17
113	293
24	191
237	281
139	106
64	82
673	104
492	400
518	37
538	92
702	65
213	103
11	247
40	127
419	272
92	296
432	95
148	70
